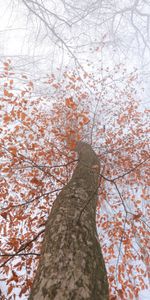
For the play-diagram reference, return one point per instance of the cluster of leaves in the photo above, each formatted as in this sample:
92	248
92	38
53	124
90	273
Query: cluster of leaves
37	138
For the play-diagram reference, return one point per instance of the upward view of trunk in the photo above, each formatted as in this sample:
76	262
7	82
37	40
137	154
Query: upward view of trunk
72	265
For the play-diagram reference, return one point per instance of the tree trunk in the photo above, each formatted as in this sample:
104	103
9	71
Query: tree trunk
72	265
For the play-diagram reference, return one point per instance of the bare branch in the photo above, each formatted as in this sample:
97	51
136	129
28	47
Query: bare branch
23	247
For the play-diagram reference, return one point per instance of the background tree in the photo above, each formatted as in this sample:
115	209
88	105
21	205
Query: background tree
37	136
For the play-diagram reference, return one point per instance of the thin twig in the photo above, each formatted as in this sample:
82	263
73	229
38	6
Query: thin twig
23	247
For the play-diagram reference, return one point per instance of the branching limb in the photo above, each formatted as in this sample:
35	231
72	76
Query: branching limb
22	248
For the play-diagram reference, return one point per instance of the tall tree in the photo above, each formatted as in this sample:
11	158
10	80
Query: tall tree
37	135
77	271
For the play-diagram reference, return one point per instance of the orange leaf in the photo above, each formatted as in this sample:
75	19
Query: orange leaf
7	94
15	276
136	217
36	181
120	293
4	215
22	116
85	120
111	278
13	150
72	144
30	84
70	103
5	170
11	81
10	289
23	290
7	118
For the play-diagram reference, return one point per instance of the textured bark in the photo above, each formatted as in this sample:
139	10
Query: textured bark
72	265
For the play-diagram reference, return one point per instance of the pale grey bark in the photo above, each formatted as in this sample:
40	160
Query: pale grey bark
72	265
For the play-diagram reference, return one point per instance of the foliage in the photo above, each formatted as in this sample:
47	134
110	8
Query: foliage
38	135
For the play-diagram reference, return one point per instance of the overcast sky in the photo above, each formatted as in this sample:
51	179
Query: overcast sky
35	47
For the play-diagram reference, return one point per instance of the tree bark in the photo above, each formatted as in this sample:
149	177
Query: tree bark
71	265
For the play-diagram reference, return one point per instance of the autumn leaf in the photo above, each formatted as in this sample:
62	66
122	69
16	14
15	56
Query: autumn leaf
137	217
6	64
22	116
7	94
10	288
13	150
23	290
70	103
14	243
7	118
30	84
84	118
36	181
14	277
4	215
11	81
5	170
72	144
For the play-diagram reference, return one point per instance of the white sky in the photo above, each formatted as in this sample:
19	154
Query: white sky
20	37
